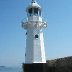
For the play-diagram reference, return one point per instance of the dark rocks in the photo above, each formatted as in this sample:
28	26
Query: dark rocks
60	65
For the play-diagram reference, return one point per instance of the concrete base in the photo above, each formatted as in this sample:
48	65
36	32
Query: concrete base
35	67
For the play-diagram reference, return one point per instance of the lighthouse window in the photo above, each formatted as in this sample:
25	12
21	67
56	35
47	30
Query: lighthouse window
26	33
39	12
25	54
35	11
36	36
30	11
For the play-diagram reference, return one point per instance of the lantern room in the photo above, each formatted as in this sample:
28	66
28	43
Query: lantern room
34	9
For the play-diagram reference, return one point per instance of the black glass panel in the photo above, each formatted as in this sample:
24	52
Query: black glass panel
39	12
35	11
30	12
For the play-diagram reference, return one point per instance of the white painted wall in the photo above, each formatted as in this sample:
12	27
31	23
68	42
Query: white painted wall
35	52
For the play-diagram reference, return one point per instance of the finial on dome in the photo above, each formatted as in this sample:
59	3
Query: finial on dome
33	1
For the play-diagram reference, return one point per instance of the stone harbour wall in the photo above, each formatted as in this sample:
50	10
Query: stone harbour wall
60	65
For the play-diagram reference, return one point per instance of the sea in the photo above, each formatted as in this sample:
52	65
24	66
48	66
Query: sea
11	69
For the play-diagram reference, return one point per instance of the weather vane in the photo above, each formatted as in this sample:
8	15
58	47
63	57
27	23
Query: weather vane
33	1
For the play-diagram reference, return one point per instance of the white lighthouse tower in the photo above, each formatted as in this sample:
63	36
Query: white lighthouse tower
35	50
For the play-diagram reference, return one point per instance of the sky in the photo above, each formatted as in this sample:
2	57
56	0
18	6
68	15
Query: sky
57	35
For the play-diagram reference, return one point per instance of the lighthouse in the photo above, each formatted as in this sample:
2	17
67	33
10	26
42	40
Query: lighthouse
35	59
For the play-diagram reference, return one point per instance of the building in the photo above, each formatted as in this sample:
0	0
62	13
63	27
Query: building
35	59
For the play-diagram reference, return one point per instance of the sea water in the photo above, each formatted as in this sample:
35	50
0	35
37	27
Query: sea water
11	69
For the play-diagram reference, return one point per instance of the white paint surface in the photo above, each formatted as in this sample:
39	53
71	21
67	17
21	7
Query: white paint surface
35	50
